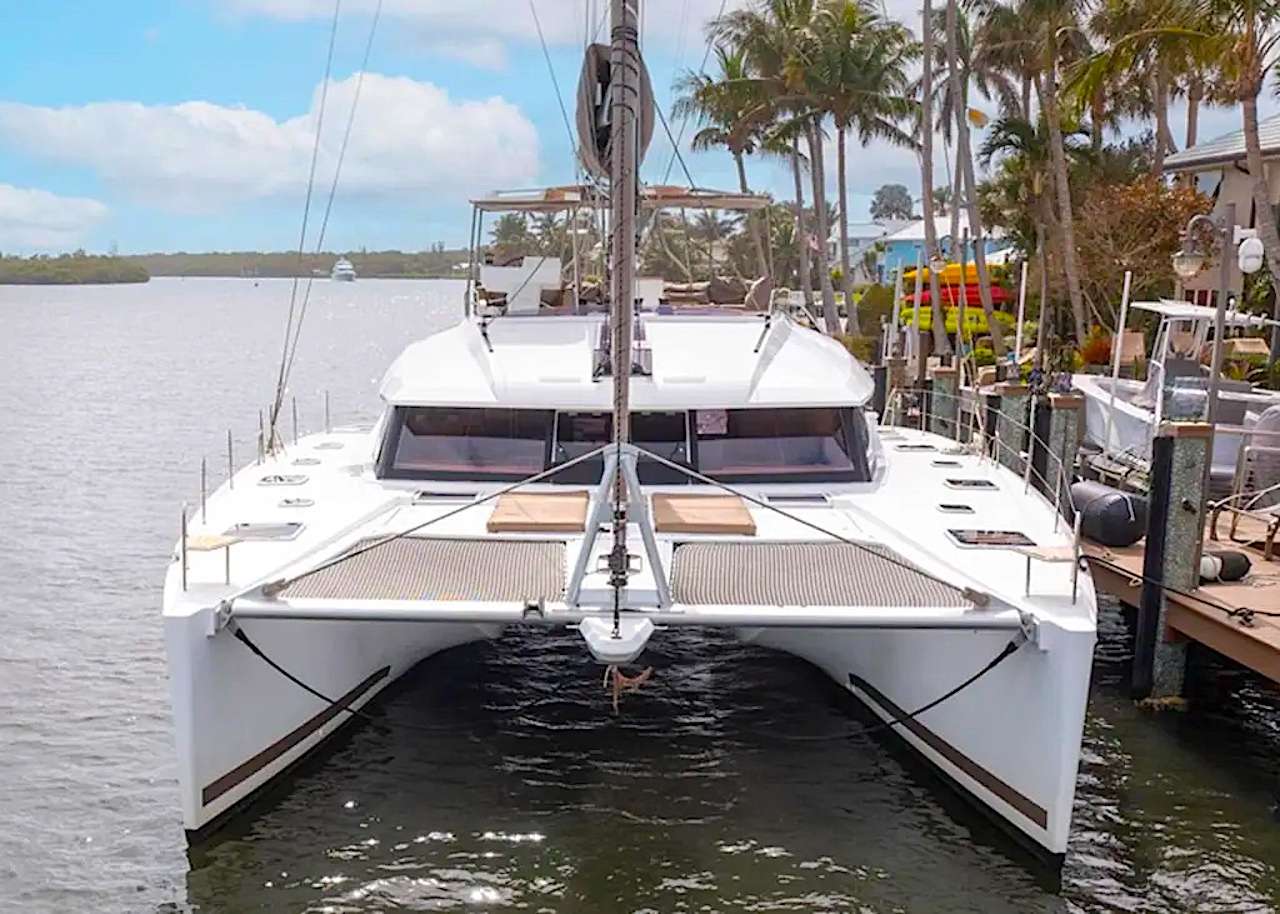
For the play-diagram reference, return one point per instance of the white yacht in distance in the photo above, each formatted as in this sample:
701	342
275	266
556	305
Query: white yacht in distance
343	271
623	467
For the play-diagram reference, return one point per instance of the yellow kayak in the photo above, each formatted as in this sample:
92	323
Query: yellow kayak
975	320
948	277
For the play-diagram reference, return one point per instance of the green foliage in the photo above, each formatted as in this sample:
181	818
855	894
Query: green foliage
892	201
70	269
983	356
436	262
875	304
863	348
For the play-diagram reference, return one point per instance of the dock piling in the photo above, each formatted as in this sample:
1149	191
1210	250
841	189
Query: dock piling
943	401
880	393
1065	411
1178	452
1010	422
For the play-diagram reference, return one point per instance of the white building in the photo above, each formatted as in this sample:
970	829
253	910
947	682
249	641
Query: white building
1220	170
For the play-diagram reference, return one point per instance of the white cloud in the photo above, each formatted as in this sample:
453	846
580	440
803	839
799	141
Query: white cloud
464	29
37	220
411	141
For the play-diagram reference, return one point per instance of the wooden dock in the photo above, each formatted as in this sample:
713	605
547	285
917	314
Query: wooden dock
1230	618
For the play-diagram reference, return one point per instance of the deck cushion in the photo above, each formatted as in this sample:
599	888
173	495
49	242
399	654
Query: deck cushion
540	512
725	514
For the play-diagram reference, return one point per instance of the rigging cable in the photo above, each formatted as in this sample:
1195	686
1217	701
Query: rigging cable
684	123
978	598
306	215
551	70
333	186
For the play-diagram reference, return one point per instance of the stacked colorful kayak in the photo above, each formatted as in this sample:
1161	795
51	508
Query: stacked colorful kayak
975	319
952	290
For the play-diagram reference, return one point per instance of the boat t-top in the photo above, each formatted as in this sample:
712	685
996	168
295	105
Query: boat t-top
1122	414
620	464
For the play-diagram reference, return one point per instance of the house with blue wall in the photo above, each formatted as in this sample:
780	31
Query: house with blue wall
904	246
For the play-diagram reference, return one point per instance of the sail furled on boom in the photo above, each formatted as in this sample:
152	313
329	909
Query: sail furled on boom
595	125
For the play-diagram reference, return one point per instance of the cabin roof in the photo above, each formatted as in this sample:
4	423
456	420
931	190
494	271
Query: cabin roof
1225	149
699	362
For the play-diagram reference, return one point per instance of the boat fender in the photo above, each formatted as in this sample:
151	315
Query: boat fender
1109	516
1224	566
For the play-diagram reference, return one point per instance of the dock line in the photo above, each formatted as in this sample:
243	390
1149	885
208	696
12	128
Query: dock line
1244	614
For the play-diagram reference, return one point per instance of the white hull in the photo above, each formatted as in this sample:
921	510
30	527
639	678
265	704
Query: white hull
1011	740
239	723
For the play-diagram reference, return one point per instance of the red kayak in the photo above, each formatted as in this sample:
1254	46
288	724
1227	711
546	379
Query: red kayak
951	296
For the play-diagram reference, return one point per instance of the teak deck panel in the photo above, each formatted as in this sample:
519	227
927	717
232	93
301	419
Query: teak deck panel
1256	645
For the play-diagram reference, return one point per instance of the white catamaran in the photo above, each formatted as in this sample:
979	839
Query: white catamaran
623	467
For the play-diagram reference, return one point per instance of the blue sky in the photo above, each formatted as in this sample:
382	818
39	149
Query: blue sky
187	124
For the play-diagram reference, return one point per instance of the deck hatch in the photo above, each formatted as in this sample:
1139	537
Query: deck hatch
955	508
452	570
802	574
914	447
979	538
264	531
971	484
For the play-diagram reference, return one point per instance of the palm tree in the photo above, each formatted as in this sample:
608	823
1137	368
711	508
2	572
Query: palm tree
782	141
729	104
941	344
964	165
773	35
856	72
1023	186
1238	43
1047	32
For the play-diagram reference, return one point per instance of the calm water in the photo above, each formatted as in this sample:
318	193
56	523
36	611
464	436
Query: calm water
737	781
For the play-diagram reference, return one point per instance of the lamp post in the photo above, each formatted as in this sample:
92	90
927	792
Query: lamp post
1187	263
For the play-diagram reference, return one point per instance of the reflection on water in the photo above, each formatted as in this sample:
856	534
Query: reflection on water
738	780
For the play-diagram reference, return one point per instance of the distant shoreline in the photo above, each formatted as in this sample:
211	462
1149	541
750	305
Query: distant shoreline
437	263
80	268
71	270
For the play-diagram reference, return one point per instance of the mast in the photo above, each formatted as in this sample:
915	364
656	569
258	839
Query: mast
624	116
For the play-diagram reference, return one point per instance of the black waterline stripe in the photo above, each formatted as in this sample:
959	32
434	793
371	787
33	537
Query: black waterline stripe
248	769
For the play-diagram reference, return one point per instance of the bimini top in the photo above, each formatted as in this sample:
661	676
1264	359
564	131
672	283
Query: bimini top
659	196
1186	311
698	362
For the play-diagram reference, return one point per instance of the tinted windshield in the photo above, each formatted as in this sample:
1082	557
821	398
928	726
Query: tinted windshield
664	434
758	444
442	443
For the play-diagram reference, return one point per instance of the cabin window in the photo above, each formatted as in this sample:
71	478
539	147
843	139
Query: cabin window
778	445
448	443
663	433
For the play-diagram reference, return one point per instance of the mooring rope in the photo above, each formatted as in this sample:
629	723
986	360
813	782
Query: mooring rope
618	682
1244	614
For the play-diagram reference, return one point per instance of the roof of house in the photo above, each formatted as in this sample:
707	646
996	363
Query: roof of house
1225	149
914	230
